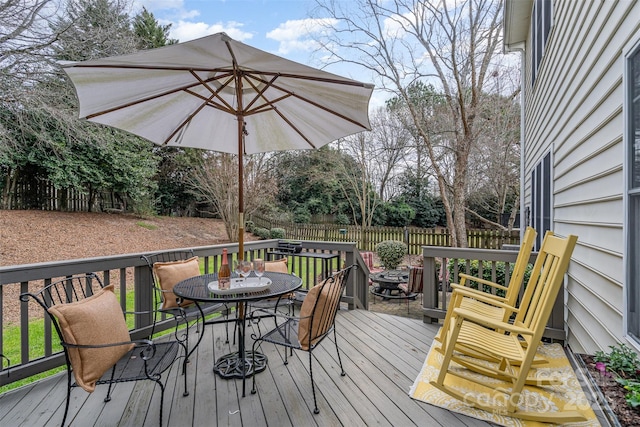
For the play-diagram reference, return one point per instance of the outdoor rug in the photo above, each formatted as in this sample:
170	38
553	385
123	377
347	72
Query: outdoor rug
567	396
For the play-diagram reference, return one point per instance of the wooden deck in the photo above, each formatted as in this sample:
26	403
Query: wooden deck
382	355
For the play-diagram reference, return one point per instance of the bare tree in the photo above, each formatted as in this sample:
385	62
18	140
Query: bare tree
374	161
25	37
402	42
216	181
388	145
356	177
494	167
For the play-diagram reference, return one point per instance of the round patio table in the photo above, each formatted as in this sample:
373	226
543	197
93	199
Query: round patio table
237	364
388	282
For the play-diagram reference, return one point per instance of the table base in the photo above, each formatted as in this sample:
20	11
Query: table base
233	366
387	293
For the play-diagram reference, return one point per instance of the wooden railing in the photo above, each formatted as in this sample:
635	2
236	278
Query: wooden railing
367	238
436	279
130	274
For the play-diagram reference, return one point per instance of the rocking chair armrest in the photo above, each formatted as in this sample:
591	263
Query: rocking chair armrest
490	323
489	299
470	278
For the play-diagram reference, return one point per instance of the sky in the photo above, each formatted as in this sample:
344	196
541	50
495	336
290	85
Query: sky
281	27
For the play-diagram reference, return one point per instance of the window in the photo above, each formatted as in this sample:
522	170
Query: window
540	27
541	198
632	105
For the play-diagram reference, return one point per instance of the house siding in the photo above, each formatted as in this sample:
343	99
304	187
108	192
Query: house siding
575	110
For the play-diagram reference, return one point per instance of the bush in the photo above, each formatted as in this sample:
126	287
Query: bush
301	215
486	273
342	219
277	233
391	253
262	233
249	226
398	213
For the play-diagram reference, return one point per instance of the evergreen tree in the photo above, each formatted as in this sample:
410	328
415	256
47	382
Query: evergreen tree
149	32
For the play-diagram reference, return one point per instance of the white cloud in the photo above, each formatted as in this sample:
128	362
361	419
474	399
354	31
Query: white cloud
185	31
173	9
298	35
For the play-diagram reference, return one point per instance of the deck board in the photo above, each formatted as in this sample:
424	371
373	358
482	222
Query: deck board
381	354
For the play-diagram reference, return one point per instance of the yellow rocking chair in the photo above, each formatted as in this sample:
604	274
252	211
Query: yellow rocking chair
479	301
471	332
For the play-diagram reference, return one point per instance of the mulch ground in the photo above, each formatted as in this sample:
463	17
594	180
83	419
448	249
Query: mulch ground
40	236
613	393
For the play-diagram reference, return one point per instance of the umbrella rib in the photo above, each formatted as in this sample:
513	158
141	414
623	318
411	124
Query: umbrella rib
286	120
229	107
152	97
187	120
266	107
260	92
302	98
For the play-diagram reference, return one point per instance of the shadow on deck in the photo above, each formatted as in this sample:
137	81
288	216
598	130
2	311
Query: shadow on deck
382	355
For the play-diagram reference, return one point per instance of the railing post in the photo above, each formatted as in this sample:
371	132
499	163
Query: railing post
430	288
143	298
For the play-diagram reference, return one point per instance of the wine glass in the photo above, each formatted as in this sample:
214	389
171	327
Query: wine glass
245	268
258	268
237	268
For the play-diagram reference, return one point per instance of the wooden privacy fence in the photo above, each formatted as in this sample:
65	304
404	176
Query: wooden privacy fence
368	237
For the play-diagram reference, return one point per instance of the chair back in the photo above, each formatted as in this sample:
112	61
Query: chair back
319	309
544	284
416	283
520	266
165	256
367	257
70	289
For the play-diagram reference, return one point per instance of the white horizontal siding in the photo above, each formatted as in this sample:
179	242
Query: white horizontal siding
575	110
606	183
604	211
585	171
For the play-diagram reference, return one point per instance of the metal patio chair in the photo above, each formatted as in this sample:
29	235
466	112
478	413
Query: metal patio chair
166	269
95	338
315	321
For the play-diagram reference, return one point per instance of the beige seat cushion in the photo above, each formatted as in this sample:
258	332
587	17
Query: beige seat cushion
277	266
321	296
172	272
97	319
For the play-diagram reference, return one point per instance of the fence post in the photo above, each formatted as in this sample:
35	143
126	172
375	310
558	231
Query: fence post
405	231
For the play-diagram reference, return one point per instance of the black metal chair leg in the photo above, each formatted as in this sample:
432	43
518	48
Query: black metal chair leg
66	407
335	340
161	397
185	348
184	374
253	362
108	398
313	387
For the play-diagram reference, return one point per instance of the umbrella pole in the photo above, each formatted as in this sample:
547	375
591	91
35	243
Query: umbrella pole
240	188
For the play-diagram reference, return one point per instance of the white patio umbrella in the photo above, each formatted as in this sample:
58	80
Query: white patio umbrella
218	94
